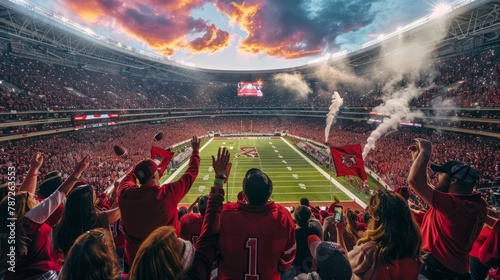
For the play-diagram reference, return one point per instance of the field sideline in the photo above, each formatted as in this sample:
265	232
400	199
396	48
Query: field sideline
294	175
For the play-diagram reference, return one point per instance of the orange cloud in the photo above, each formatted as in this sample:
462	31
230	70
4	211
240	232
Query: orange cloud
286	29
289	29
166	26
89	11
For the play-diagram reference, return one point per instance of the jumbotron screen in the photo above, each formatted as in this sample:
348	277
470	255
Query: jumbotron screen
250	89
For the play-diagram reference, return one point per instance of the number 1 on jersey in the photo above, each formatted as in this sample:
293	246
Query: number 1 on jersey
251	245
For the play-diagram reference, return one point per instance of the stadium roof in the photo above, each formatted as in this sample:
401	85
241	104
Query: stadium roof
27	31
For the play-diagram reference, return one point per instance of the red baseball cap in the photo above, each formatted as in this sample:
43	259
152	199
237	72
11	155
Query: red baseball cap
145	169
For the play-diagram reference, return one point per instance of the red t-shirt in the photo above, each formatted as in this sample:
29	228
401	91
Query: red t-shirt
407	268
190	226
479	242
489	253
144	209
451	226
255	241
418	216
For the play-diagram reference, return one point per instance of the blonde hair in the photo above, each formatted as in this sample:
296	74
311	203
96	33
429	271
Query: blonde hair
392	227
352	225
158	257
92	257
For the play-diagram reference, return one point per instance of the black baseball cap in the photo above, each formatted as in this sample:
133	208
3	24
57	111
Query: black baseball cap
460	170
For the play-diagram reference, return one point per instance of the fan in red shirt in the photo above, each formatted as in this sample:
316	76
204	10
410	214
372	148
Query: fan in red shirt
190	224
489	252
257	238
455	216
146	207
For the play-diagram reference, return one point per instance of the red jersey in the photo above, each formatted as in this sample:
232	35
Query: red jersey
255	241
450	227
144	209
489	253
190	226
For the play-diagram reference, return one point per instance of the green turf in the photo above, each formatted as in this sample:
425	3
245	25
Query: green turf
292	176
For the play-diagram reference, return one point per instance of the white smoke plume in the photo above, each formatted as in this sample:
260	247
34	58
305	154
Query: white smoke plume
337	101
293	82
405	59
339	72
396	108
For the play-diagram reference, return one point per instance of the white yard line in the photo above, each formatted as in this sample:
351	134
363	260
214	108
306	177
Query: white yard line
327	176
169	179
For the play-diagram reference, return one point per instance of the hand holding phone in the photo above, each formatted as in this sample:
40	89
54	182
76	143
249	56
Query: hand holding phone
339	211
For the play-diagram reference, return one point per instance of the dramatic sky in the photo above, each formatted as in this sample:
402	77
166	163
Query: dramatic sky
242	34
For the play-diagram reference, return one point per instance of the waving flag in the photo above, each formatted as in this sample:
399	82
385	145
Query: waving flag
162	156
348	161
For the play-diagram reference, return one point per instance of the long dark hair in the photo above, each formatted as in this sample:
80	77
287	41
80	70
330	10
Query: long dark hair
80	215
24	202
392	228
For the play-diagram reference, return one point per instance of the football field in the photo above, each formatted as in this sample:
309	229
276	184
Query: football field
293	174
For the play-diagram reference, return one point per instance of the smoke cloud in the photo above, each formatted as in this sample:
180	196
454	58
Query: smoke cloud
293	82
332	74
337	101
404	62
396	108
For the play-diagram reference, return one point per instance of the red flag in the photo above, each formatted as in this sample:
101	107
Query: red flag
348	160
162	155
228	170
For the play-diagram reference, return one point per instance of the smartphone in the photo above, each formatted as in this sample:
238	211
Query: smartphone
339	211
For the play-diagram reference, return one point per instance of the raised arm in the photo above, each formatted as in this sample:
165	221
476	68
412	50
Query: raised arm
70	182
181	187
207	244
41	212
190	208
340	233
29	183
417	178
113	214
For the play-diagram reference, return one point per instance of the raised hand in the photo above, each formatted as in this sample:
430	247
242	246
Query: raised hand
82	165
36	161
195	143
421	146
220	163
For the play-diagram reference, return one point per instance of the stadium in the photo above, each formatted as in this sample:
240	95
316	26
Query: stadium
67	92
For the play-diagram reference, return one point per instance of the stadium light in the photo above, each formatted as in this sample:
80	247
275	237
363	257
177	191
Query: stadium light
441	9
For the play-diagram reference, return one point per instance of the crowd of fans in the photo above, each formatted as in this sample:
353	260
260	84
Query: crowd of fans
387	240
105	167
385	160
46	87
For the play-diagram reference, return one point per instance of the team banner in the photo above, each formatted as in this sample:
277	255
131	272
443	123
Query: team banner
348	160
162	156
